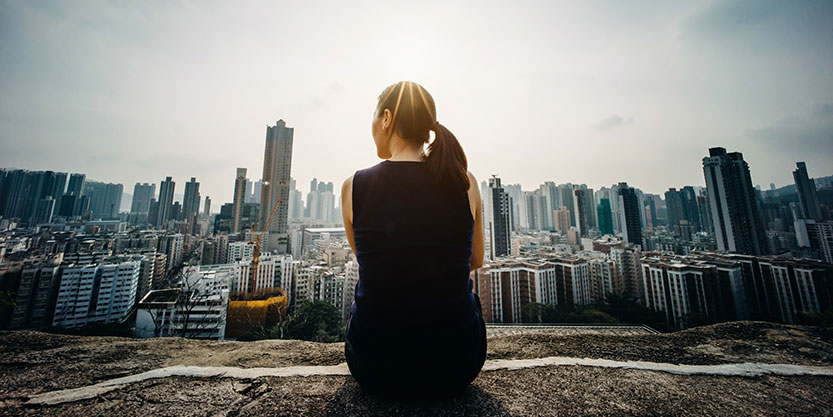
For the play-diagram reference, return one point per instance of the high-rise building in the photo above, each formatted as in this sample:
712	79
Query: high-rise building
630	214
257	191
736	215
60	185
36	294
191	200
605	217
562	220
516	197
142	194
105	199
239	198
102	292
567	197
320	201
296	205
628	277
534	206
76	184
166	201
581	211
176	211
499	232
58	189
818	236
705	214
682	207
277	165
807	197
207	209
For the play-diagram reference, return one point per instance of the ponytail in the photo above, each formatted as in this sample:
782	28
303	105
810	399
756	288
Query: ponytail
445	158
447	161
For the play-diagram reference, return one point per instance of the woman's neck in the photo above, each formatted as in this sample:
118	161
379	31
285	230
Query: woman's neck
400	150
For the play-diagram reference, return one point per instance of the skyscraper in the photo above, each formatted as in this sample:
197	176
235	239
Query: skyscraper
76	184
630	214
166	201
738	223
582	212
142	194
58	189
191	200
567	198
277	165
807	198
105	199
605	217
674	205
239	199
500	222
207	209
296	206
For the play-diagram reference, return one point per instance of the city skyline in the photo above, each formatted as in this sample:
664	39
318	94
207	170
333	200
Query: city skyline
131	98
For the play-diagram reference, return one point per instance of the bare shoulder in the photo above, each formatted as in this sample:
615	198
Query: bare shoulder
346	188
471	177
473	187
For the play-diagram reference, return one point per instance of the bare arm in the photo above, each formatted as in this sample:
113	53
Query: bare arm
478	248
347	210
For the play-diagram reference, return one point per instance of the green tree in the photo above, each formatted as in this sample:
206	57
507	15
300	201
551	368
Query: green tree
596	316
7	303
626	309
533	313
823	319
315	321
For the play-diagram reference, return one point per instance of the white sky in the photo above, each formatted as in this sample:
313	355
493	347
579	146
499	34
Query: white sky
590	92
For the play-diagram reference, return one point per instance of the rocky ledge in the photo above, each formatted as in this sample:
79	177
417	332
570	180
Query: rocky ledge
788	370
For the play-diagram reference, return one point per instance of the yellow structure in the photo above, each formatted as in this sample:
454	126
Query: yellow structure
254	311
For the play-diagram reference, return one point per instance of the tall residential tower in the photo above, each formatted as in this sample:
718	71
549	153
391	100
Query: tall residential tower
736	215
277	164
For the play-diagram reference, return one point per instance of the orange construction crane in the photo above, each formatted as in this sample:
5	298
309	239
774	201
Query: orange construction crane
256	239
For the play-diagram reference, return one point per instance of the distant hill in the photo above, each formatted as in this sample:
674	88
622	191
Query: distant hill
821	182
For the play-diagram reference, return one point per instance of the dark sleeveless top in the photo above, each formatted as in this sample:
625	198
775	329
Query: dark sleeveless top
414	246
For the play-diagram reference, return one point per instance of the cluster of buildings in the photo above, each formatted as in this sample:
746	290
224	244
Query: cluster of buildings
70	258
726	251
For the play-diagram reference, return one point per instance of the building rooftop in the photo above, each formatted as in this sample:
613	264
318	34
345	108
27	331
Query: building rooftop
746	368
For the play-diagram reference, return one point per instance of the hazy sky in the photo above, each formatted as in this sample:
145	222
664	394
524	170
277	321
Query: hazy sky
591	92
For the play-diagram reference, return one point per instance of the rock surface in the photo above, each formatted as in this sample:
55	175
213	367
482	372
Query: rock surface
34	362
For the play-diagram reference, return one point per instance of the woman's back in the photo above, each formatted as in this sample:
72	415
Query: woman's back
414	245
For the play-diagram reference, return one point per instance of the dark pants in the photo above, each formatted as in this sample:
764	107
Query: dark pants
416	364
